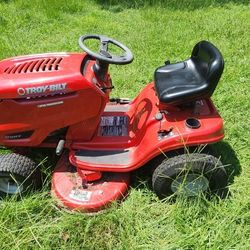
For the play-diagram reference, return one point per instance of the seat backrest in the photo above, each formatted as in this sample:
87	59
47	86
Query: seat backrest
209	62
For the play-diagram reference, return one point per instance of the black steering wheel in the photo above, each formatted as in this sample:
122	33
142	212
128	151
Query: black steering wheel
104	55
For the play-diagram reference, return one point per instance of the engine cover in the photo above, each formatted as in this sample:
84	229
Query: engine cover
40	94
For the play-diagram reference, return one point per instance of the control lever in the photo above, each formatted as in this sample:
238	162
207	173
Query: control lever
60	147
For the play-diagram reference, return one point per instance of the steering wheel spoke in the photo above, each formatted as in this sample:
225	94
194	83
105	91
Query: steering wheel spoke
104	43
105	53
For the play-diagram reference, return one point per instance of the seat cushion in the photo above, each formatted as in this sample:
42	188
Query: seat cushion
178	83
192	79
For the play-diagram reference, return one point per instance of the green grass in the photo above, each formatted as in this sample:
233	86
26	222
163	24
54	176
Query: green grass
155	31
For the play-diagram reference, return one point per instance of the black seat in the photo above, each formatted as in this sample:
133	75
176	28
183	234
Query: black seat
192	79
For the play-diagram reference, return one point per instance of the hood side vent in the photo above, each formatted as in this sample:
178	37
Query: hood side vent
42	65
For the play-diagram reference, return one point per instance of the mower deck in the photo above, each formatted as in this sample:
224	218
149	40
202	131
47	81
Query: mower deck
128	136
72	192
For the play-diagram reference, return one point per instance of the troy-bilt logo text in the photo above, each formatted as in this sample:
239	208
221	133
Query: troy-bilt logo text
42	89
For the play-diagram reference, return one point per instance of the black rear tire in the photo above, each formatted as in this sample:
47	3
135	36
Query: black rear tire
18	174
190	175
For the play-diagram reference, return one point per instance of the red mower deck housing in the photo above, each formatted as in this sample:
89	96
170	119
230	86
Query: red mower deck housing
75	193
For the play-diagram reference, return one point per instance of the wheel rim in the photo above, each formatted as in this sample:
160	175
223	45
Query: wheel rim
10	186
190	184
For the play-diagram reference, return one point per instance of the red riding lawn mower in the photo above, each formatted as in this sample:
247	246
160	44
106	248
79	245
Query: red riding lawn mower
61	101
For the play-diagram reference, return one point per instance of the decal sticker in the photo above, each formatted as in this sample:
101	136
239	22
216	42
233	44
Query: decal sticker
45	105
42	89
80	195
114	126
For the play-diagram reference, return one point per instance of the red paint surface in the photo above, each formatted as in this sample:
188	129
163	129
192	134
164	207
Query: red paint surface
80	104
80	107
101	193
143	141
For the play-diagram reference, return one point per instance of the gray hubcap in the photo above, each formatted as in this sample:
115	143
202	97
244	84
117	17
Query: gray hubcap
190	184
9	186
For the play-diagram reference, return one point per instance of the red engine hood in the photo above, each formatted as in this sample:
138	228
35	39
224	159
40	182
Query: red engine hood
39	75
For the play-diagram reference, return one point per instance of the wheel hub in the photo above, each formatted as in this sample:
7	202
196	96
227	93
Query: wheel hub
9	186
190	184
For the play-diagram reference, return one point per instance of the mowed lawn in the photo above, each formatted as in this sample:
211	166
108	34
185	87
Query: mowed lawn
155	31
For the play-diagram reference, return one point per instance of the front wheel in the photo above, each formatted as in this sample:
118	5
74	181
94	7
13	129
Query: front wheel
190	175
18	174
